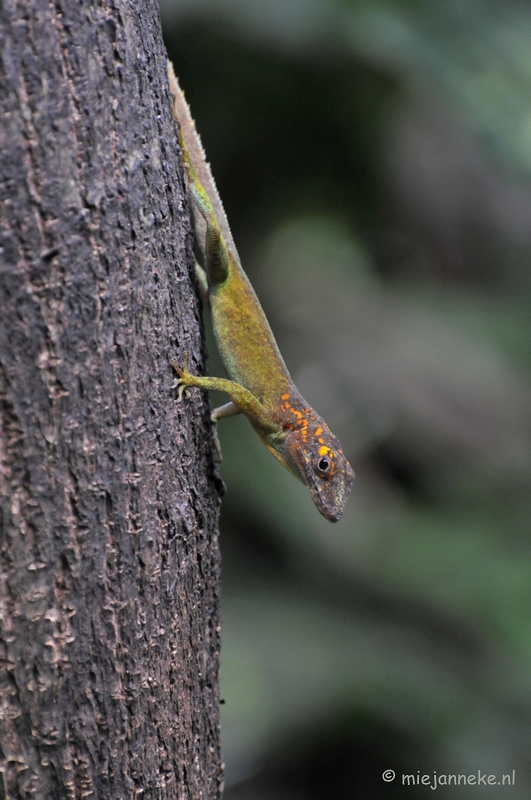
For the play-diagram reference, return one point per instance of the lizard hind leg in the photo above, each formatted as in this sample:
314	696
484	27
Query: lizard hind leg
202	282
217	262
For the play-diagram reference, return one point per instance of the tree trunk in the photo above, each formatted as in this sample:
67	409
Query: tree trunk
109	570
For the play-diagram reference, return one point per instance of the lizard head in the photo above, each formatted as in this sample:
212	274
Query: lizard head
315	456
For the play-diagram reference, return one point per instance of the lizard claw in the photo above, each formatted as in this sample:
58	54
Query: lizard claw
183	390
181	383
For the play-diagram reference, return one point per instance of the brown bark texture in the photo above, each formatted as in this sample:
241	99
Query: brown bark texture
109	562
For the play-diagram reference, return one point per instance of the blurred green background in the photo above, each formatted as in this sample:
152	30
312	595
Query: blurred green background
374	159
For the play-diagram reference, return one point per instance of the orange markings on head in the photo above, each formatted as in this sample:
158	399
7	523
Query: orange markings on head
325	451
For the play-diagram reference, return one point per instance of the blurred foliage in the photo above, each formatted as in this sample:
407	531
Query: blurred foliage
374	159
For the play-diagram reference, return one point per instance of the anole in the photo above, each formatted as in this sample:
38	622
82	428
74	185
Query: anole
260	385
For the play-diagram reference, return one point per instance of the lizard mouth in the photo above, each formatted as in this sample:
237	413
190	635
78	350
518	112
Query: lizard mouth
330	499
334	515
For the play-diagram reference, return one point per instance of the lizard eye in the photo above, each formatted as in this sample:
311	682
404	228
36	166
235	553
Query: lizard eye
323	465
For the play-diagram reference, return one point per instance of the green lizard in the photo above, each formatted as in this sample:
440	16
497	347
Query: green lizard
260	385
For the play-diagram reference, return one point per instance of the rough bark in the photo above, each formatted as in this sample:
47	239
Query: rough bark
109	570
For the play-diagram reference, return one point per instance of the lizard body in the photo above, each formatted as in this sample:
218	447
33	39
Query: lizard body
260	385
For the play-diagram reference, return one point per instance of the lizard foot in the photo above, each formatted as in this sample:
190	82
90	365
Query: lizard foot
182	382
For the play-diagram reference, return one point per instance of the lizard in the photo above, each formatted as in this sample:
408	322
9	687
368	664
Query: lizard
259	384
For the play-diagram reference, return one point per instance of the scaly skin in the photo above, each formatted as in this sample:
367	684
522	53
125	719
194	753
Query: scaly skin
260	385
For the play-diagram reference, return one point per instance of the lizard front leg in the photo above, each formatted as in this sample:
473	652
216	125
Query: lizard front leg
242	400
227	410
